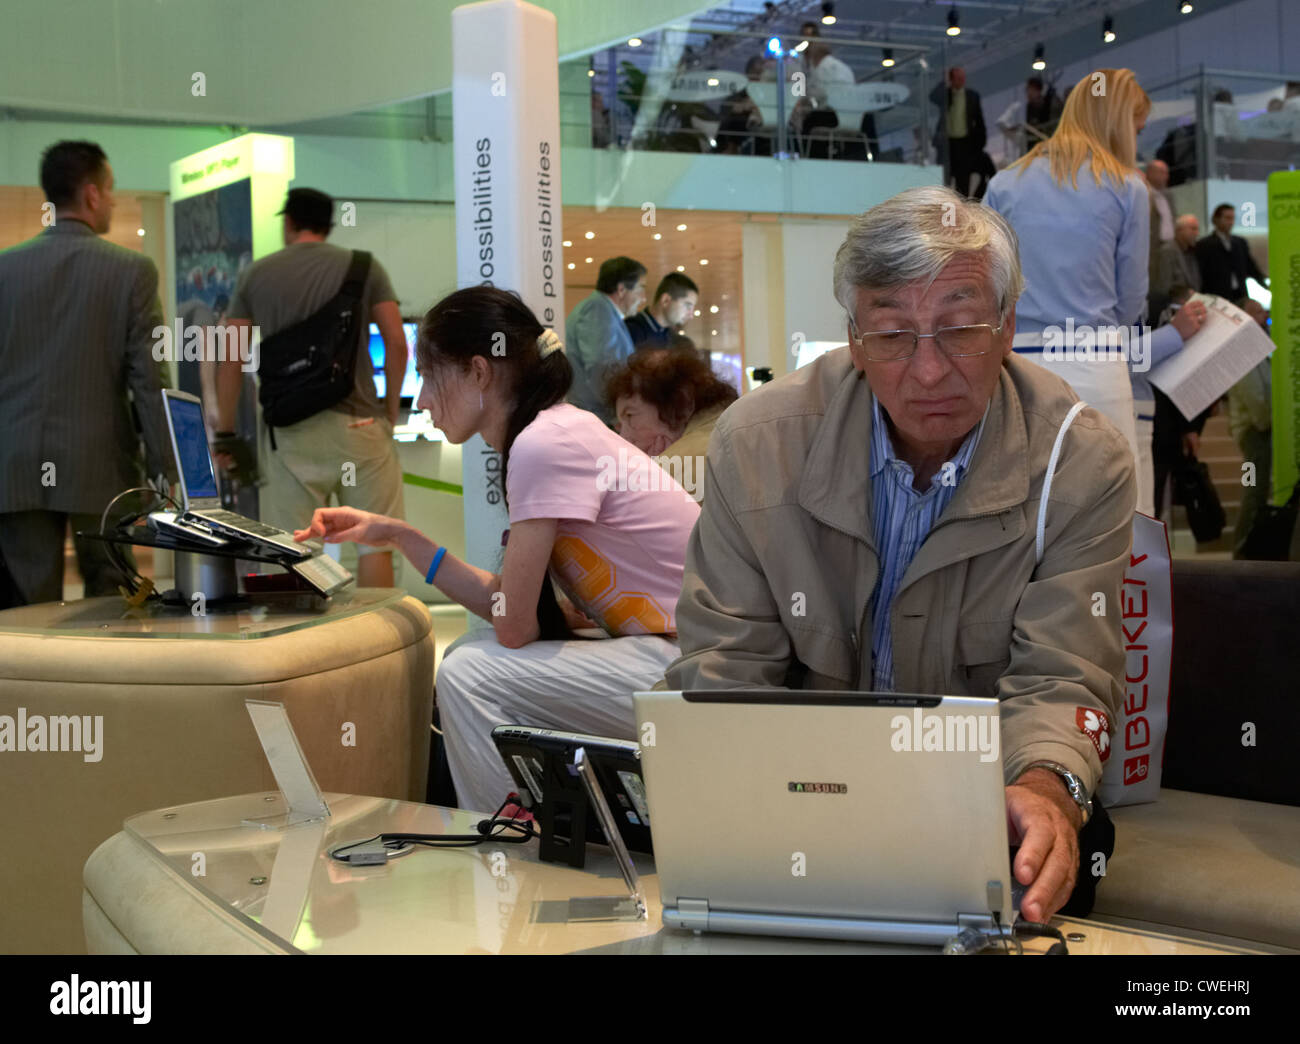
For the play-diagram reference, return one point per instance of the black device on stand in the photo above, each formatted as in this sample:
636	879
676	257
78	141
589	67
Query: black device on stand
541	761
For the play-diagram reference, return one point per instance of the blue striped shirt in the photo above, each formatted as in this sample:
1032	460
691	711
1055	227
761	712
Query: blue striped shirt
902	518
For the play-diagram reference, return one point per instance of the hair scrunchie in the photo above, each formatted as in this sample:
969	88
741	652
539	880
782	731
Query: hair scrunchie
548	342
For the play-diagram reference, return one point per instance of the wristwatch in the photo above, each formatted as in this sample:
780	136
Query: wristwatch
1072	784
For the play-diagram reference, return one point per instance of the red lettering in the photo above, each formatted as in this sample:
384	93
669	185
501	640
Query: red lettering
1134	561
1136	727
1132	708
1128	612
1145	665
1134	636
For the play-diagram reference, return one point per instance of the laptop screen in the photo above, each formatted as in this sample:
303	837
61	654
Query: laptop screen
192	454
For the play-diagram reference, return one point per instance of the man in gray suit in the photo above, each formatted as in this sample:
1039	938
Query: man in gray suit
77	316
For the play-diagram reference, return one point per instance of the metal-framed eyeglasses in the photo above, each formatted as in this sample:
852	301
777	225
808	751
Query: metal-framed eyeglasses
956	342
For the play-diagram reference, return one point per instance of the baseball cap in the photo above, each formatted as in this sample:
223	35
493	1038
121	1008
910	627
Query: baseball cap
309	208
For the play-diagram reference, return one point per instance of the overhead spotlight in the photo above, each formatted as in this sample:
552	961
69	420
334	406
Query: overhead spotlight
634	42
139	231
828	14
588	260
887	57
697	312
953	28
681	228
704	260
591	72
712	81
713	309
1186	7
713	333
1108	30
572	266
568	242
800	47
590	235
681	268
658	235
1040	57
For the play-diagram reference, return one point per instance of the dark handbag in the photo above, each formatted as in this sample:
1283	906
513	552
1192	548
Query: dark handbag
310	366
1194	490
1269	539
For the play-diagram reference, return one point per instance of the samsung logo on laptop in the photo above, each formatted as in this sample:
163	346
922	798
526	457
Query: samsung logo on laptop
818	788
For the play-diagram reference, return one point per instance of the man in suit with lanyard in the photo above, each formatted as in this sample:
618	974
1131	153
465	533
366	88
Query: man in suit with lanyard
77	316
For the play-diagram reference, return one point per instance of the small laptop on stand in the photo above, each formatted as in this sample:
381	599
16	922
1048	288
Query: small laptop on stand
200	500
833	815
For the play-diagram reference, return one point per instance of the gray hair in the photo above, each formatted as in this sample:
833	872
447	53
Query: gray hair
915	234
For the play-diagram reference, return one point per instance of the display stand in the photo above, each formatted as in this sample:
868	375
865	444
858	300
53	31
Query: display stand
209	571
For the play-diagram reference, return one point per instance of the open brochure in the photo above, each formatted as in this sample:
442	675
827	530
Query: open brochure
1215	358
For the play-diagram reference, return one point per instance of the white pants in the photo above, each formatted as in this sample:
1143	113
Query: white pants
1103	385
1145	423
574	686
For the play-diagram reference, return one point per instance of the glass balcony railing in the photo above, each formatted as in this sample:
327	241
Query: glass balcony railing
698	90
1222	124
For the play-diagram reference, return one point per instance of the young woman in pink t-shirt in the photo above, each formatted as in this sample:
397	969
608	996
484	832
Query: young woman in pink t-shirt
586	509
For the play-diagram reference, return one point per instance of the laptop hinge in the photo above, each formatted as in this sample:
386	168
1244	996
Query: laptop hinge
694	914
982	921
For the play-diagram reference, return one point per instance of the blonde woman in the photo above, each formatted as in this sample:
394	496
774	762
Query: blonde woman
1080	209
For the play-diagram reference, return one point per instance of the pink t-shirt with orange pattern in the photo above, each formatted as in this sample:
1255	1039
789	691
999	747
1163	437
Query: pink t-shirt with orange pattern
624	522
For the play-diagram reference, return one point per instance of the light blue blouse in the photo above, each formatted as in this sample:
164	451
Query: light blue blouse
1083	251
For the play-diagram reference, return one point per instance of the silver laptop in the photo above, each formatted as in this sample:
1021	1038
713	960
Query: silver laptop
199	497
827	814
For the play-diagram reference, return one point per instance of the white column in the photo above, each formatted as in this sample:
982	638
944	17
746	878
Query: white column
505	112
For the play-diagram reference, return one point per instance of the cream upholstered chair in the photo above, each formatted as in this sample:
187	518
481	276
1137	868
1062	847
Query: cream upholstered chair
358	690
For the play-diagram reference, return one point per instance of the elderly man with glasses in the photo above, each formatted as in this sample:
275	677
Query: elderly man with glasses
872	522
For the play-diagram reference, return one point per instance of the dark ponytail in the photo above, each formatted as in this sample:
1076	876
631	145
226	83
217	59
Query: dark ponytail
496	324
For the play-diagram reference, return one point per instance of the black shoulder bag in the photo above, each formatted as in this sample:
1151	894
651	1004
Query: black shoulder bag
311	365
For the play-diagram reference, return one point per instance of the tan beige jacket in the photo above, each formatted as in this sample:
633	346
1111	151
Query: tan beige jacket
782	563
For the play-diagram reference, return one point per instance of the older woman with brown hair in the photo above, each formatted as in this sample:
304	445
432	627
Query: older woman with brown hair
667	401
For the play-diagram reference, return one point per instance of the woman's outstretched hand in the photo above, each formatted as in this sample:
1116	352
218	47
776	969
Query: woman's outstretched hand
343	525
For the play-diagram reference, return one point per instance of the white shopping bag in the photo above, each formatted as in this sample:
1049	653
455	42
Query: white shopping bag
1131	775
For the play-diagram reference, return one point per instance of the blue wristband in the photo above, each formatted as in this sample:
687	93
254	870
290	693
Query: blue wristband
433	567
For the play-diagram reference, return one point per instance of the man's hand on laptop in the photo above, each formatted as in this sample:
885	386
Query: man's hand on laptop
344	525
1045	819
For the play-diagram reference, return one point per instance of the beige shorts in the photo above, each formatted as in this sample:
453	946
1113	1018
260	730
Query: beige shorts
330	454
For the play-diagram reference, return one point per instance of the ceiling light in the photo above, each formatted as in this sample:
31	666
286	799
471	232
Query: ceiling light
953	28
588	260
704	260
1040	57
139	231
828	14
591	72
800	47
714	332
1185	7
1108	30
572	265
634	42
697	311
681	228
568	242
658	235
681	268
887	57
712	81
590	235
713	309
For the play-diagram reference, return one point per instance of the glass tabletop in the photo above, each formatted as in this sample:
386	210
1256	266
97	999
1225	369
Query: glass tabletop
111	617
